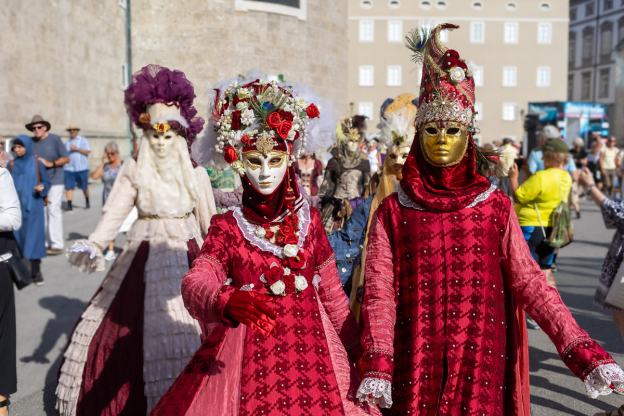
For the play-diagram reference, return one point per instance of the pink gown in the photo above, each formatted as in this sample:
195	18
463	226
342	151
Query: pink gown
302	369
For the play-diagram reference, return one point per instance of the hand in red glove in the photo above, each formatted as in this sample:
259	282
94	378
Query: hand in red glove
249	308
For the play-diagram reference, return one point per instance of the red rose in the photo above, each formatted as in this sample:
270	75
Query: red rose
274	120
245	139
270	234
273	275
462	65
235	100
312	111
230	154
292	219
289	281
297	262
291	239
451	53
285	115
279	239
236	120
285	229
283	128
450	62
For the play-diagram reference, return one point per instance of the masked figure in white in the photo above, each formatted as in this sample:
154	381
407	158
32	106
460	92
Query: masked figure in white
135	336
282	339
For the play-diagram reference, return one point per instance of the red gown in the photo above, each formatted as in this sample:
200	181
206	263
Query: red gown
440	314
303	368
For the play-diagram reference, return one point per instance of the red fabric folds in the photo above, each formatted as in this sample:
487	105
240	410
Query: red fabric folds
439	189
263	209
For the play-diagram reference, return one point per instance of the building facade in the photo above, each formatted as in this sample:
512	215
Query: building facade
596	35
517	48
67	60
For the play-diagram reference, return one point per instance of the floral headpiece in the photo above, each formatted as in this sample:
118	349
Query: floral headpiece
262	116
447	88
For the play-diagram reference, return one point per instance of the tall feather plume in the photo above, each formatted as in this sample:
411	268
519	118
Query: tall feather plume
416	41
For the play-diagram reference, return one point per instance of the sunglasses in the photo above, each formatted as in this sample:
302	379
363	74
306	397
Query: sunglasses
73	129
38	127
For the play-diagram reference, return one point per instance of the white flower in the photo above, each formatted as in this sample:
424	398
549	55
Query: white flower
242	93
278	287
301	102
260	232
242	106
238	167
247	117
457	74
235	137
291	135
301	283
291	250
286	271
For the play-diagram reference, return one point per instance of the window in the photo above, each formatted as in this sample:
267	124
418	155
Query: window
509	76
477	32
366	4
441	4
543	76
123	4
366	109
395	31
544	7
367	31
394	4
477	140
603	83
444	34
478	76
511	33
295	8
425	4
572	14
589	9
588	45
620	29
479	110
366	76
477	5
606	39
394	76
544	31
125	77
418	75
509	111
511	6
586	86
572	49
571	87
290	3
608	4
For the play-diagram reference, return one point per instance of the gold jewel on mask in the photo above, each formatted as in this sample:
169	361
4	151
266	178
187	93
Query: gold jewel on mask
274	163
265	143
443	143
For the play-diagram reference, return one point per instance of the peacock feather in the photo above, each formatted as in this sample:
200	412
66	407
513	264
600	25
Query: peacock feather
417	41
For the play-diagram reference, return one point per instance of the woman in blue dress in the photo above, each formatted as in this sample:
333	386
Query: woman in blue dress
32	185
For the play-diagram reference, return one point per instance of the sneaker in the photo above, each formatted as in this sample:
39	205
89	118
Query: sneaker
531	324
38	280
88	205
553	267
54	251
578	215
110	255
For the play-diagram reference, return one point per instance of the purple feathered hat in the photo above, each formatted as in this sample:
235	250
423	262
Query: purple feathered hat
162	99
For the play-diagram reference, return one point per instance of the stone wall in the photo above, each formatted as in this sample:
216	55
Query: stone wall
63	59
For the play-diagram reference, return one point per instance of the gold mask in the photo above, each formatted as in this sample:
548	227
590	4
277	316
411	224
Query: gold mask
443	143
396	159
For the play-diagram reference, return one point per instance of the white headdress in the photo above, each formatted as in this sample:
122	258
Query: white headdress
397	121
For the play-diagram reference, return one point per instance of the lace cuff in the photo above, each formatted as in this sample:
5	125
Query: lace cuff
378	364
83	260
603	380
375	391
584	355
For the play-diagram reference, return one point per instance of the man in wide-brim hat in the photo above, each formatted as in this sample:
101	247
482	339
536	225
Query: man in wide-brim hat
51	151
77	170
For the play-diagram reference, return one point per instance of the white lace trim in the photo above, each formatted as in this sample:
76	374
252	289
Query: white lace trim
599	381
376	391
248	229
407	202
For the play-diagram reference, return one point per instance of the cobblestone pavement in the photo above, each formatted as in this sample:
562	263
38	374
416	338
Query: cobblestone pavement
47	314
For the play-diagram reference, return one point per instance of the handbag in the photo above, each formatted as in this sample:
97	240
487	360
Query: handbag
18	267
615	296
45	198
562	232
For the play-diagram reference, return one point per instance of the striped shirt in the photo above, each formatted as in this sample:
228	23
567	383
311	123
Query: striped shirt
77	161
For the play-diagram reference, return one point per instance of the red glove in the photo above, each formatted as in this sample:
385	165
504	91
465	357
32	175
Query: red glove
249	308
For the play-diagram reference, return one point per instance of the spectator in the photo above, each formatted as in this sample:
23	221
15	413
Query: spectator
371	153
32	185
77	170
508	154
10	221
608	163
613	216
310	172
536	163
593	158
5	157
52	153
535	201
108	171
579	156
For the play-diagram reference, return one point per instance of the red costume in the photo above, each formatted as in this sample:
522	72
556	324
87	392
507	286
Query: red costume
447	272
302	367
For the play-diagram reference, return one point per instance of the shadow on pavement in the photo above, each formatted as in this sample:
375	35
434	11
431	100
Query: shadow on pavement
76	236
66	312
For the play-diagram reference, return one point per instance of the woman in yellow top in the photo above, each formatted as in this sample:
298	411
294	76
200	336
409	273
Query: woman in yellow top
542	192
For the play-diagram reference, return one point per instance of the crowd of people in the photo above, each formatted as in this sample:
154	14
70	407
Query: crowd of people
285	262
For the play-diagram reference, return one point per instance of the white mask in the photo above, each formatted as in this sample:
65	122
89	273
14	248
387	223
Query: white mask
265	172
352	146
161	142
